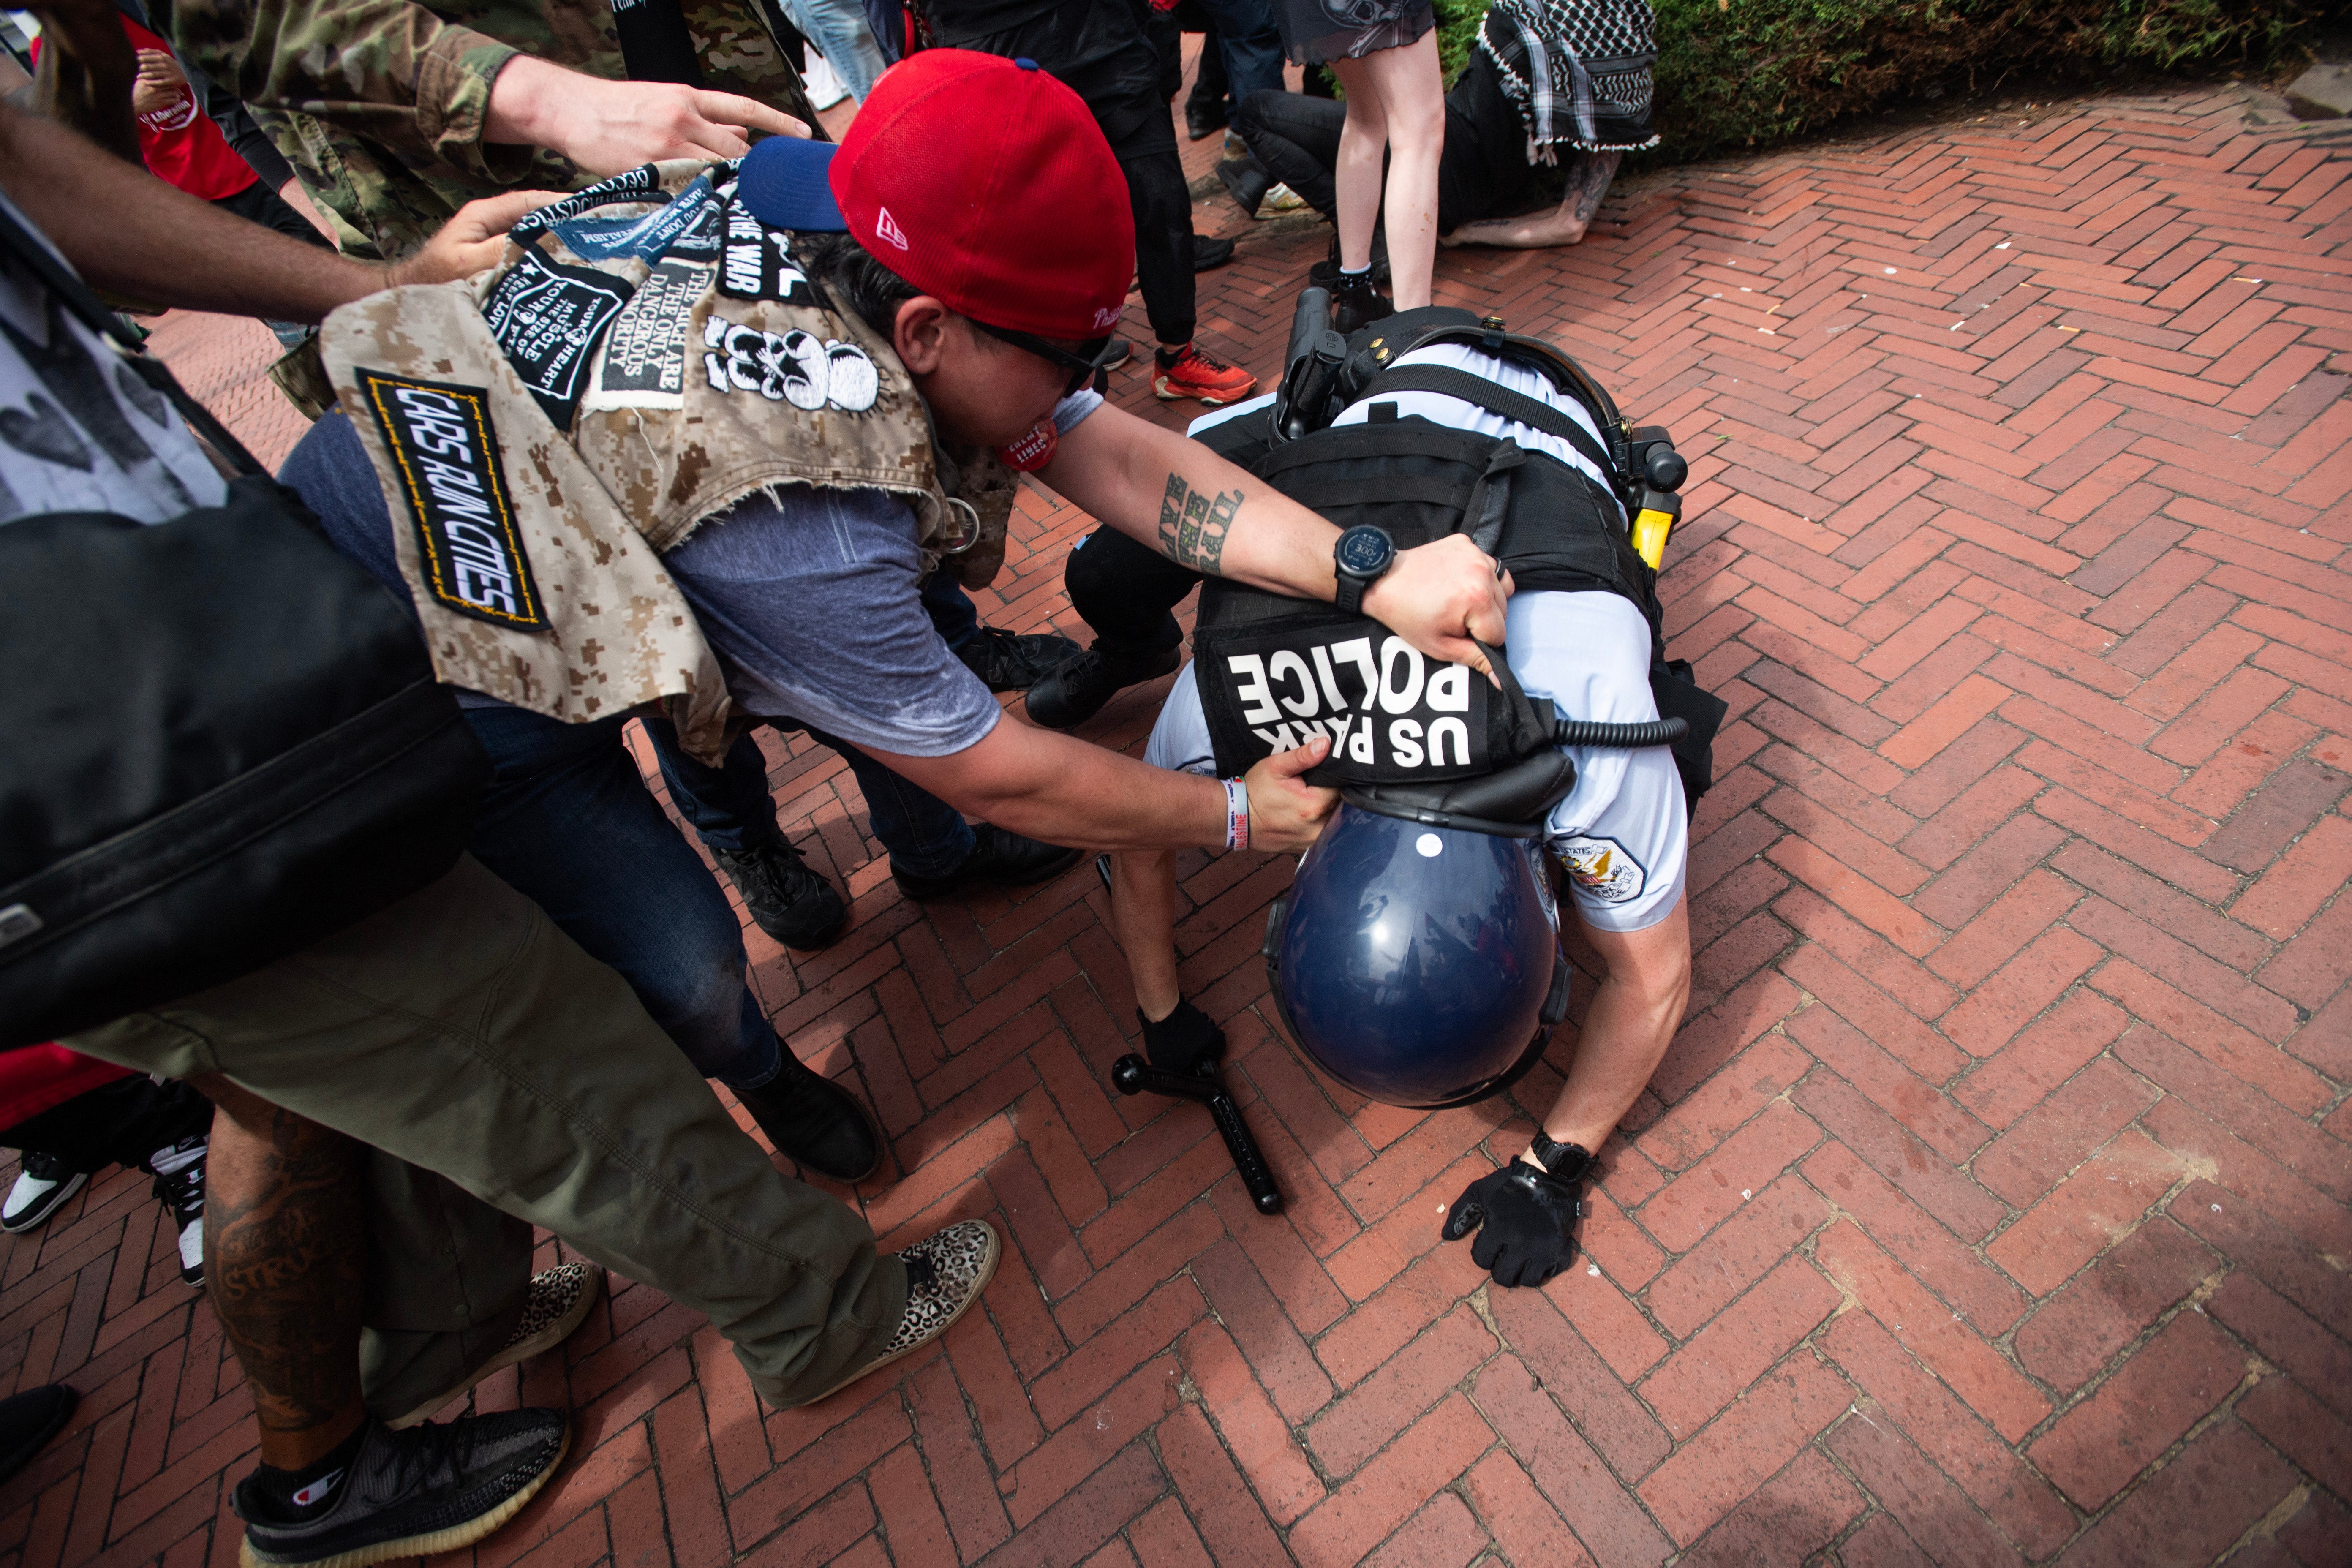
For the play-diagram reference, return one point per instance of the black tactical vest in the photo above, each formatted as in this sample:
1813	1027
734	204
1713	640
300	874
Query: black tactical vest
1274	670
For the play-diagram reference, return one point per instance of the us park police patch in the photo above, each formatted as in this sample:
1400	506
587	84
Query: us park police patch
446	453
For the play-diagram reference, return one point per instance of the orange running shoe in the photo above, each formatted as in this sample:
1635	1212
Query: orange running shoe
1192	373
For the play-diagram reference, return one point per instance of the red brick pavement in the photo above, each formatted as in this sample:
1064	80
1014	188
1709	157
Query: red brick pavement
1991	1205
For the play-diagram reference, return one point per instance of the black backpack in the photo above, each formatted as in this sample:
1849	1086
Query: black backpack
225	740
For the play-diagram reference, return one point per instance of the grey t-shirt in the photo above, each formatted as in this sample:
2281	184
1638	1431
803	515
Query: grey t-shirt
811	600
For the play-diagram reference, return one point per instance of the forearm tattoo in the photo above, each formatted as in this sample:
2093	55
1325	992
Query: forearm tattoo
284	1265
1588	182
1192	526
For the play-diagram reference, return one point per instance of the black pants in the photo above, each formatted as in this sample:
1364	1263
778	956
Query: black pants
1124	591
1298	139
118	1123
1157	193
258	204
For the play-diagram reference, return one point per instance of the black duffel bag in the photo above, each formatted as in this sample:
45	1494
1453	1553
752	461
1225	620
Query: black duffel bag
223	740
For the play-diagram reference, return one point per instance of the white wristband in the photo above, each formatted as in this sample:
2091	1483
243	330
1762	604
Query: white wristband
1236	814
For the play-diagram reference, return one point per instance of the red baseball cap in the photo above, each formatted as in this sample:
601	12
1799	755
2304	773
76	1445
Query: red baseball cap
986	184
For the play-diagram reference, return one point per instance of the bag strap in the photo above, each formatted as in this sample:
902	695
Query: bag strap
75	294
1495	399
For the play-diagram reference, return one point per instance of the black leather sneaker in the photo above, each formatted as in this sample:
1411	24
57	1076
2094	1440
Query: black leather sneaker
787	897
28	1420
429	1490
998	859
1356	303
1078	691
814	1122
1209	251
1013	661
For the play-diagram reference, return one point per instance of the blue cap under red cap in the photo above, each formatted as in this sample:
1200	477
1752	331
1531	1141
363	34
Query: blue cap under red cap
784	183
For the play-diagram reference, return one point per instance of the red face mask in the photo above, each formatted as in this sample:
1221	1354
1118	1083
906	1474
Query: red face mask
1033	451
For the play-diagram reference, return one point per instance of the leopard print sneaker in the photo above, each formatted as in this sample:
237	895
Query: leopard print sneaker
559	1303
946	1272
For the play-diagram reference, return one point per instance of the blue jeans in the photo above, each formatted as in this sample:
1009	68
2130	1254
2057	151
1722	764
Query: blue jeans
1251	44
568	823
839	30
729	806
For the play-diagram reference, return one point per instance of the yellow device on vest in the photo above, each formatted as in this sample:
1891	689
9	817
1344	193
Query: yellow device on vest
1659	512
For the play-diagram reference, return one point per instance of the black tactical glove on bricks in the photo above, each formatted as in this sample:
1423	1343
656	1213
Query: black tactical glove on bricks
1526	1218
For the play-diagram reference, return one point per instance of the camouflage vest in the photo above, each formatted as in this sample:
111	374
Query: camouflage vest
647	354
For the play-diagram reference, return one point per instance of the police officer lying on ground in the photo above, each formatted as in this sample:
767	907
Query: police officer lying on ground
758	470
1465	935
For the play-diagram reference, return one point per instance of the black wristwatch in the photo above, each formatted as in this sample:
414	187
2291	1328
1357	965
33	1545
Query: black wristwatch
1361	555
1569	1161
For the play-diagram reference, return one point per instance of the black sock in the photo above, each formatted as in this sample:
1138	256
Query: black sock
1182	1040
279	1489
1167	356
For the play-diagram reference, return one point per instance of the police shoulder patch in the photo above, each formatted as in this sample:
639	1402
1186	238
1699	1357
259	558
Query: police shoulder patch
446	453
1603	869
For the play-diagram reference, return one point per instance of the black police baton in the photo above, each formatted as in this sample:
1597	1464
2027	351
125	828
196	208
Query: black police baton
1132	1075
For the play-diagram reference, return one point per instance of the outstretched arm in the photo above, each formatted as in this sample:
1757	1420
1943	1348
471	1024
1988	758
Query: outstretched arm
1195	508
1588	183
126	230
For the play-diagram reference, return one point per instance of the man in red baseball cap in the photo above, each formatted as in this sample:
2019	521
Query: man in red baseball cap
983	232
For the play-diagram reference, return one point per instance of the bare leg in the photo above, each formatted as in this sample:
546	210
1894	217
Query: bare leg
1143	918
1356	179
285	1263
1587	185
1410	89
1632	1019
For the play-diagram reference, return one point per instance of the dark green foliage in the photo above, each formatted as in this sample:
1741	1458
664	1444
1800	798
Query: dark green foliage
1737	74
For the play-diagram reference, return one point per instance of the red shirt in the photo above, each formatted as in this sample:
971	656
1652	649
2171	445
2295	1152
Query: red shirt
180	141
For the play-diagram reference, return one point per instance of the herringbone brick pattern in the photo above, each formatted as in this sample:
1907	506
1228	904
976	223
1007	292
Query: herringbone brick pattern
1991	1205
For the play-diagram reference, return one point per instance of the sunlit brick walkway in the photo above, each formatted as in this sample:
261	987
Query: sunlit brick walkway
1991	1205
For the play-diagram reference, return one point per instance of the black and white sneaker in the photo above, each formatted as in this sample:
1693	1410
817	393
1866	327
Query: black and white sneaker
42	1187
179	1172
409	1494
946	1272
558	1303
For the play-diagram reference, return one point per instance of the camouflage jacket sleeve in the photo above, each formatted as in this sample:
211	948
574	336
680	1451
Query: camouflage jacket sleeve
419	85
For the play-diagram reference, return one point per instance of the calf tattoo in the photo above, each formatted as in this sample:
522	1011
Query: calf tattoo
1192	526
284	1263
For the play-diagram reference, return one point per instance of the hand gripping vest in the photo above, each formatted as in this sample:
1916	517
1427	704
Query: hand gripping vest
1408	734
647	354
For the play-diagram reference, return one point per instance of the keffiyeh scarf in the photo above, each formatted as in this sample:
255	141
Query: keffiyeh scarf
1578	71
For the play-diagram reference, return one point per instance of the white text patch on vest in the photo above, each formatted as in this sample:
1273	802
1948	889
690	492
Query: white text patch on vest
446	453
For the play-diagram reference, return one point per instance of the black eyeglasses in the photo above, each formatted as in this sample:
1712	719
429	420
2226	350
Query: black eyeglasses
1085	366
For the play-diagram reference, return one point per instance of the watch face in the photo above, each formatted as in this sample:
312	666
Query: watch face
1364	550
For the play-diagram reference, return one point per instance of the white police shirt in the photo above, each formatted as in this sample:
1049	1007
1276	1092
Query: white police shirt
1622	833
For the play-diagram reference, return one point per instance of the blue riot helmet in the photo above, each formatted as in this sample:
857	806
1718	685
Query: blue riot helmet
1417	962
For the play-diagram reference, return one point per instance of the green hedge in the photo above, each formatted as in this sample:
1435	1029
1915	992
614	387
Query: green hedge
1737	73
